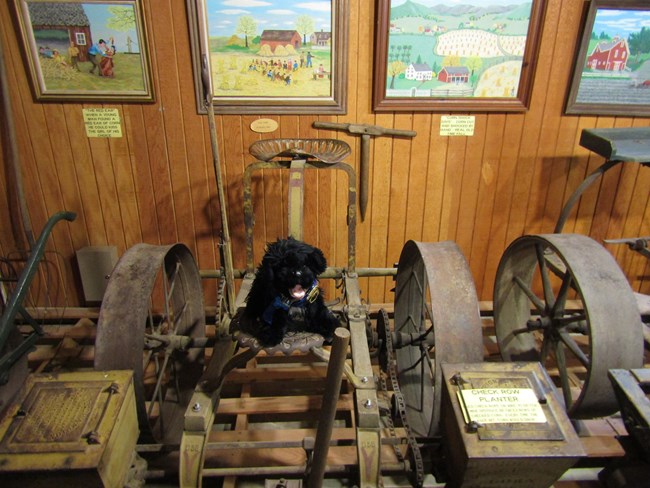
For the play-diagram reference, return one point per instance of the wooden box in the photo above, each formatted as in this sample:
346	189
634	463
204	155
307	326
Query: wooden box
70	429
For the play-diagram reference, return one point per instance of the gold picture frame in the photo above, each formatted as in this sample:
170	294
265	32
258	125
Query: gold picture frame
85	51
297	64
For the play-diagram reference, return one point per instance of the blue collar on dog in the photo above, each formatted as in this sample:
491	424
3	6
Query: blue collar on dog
281	302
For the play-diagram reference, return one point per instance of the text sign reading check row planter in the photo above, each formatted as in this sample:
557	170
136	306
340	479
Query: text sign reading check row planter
501	405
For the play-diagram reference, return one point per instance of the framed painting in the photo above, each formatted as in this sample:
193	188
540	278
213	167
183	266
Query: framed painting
612	68
260	57
86	51
466	56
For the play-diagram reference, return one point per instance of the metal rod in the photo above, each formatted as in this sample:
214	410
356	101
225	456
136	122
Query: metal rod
15	187
568	206
331	272
249	217
266	470
365	131
14	305
227	248
328	408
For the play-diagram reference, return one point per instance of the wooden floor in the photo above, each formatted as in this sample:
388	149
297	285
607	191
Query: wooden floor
270	407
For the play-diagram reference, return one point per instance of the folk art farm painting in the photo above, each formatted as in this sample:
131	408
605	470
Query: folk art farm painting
468	48
275	49
86	48
615	66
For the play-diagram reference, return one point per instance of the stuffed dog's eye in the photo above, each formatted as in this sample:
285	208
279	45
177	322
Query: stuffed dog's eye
298	273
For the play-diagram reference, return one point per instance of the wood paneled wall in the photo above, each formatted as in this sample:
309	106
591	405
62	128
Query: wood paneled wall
156	183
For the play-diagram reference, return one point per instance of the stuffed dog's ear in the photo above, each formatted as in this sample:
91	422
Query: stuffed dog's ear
316	261
269	261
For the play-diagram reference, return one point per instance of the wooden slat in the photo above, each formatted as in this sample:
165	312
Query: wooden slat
278	405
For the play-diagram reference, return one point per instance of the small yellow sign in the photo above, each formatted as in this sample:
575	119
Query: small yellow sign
502	405
102	122
457	125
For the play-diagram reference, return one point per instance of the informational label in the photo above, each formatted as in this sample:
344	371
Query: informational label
262	126
502	405
102	122
457	125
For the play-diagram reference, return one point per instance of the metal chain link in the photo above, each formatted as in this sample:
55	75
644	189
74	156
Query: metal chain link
221	289
401	404
389	418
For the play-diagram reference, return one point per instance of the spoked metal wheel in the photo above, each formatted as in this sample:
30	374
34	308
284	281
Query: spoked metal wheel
437	321
151	316
562	299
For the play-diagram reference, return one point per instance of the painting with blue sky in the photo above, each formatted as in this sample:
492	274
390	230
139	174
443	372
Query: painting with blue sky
90	50
612	73
260	48
621	23
223	15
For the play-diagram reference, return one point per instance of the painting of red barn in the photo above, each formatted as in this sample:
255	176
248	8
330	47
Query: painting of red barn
612	69
454	74
284	56
86	51
609	55
280	38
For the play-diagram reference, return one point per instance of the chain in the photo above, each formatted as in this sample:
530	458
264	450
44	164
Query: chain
221	288
401	404
389	419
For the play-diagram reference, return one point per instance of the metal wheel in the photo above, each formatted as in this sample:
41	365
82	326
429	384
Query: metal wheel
562	299
151	315
437	321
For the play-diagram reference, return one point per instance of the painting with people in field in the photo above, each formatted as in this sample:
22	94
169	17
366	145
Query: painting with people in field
612	74
279	51
90	50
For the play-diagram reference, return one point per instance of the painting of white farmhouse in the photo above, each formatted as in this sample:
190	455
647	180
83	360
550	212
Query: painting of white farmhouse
613	67
468	48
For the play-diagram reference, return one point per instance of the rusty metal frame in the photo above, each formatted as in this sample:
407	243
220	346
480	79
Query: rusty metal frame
249	217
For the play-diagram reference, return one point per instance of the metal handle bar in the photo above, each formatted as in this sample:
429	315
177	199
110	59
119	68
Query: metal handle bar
14	304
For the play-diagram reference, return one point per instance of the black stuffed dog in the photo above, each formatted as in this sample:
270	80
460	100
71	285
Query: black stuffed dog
285	295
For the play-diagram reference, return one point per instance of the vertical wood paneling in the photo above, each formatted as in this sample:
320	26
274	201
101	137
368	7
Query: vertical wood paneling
470	185
416	190
379	205
135	125
435	182
504	199
486	196
398	193
89	214
156	184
